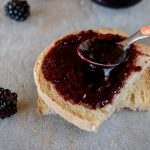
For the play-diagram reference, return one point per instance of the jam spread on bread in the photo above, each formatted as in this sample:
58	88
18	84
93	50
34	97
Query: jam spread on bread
80	82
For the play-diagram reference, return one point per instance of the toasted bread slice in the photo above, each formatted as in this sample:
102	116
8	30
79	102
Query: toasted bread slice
135	94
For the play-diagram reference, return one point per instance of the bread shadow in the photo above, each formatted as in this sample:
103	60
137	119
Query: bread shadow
22	106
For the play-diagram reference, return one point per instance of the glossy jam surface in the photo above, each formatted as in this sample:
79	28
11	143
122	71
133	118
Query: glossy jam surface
83	83
117	3
102	51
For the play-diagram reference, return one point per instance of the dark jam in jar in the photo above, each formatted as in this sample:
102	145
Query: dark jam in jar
80	82
117	3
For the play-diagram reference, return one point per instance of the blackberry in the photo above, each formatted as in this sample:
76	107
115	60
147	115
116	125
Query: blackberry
8	103
18	10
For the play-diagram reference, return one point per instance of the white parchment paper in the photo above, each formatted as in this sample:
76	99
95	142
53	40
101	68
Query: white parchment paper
20	44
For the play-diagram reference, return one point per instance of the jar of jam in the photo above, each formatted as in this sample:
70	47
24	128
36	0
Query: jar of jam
117	3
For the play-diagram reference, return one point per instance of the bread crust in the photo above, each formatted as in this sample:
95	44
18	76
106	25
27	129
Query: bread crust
79	115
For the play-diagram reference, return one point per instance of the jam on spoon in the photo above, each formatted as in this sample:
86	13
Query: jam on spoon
101	52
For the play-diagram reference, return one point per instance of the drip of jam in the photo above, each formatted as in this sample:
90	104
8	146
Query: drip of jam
102	51
117	3
80	82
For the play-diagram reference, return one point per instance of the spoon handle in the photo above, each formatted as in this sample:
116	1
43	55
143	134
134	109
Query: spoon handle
141	34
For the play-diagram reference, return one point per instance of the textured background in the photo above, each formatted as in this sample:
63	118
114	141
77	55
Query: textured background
20	44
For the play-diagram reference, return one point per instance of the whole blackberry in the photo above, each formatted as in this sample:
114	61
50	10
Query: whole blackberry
8	103
18	10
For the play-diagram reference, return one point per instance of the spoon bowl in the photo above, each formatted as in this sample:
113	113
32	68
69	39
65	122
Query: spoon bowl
101	53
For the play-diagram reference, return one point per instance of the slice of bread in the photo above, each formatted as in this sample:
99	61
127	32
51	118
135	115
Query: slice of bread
134	95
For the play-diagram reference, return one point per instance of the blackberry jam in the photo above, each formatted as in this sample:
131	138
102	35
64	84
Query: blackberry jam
102	52
117	3
80	82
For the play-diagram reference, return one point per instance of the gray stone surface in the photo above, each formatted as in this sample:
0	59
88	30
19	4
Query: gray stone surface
20	44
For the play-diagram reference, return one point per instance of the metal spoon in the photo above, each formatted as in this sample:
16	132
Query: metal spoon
141	34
